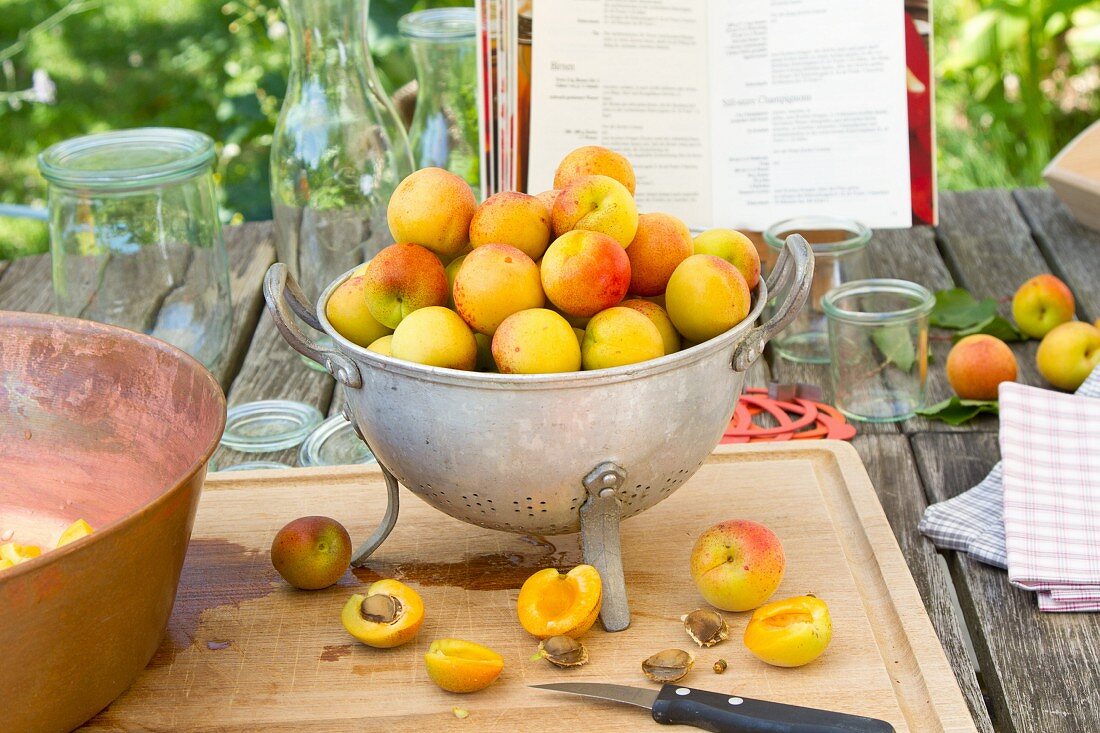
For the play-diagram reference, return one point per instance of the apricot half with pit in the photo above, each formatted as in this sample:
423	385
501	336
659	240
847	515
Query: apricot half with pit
388	615
560	604
462	666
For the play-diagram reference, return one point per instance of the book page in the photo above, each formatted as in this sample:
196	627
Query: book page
630	75
809	112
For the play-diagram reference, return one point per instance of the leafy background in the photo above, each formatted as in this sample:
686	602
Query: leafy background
1016	79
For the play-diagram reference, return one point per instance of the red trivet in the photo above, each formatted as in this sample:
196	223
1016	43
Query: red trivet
799	418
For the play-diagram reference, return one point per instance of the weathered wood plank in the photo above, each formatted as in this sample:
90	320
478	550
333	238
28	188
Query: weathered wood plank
1072	250
911	254
1040	668
890	464
27	285
272	370
251	251
988	246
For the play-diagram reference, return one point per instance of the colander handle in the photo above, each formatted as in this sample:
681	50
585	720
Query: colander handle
285	300
793	272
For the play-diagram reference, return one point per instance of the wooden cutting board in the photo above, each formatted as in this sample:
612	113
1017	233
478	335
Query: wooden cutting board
244	651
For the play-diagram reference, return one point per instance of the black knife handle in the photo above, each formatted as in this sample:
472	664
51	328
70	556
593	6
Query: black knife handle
718	713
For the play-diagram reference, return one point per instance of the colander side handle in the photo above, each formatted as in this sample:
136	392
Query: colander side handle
285	300
793	272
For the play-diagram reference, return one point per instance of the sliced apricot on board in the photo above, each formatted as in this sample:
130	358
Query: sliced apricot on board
560	604
388	615
74	531
462	666
791	632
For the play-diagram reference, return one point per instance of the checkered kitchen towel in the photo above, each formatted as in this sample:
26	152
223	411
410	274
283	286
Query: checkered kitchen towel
973	522
1050	443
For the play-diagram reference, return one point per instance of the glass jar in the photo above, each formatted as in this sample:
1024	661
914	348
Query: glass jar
878	342
338	150
135	236
444	130
840	256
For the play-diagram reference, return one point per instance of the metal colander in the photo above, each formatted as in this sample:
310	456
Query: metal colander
545	454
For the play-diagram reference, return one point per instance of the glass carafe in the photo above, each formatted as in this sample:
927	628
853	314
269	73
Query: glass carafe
135	237
444	128
338	150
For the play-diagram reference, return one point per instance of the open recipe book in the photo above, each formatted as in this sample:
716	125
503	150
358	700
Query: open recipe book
741	113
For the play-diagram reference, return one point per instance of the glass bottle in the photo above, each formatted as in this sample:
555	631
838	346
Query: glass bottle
135	237
444	129
338	150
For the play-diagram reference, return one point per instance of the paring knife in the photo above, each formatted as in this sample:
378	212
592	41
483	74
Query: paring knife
711	711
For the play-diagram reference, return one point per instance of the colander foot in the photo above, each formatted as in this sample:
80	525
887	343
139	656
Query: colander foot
600	516
393	506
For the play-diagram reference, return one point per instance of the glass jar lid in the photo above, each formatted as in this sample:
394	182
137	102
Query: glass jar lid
334	443
269	425
127	159
839	235
439	24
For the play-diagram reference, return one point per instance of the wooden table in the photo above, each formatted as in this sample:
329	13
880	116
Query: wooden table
1020	670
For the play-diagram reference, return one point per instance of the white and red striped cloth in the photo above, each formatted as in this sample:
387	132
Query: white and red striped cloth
1050	448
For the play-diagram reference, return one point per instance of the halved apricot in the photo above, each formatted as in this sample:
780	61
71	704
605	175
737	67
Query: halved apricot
560	604
791	632
74	531
388	615
13	554
462	666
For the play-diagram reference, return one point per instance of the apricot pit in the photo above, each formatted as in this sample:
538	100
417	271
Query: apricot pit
668	665
563	651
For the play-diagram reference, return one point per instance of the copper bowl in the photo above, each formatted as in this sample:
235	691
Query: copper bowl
114	427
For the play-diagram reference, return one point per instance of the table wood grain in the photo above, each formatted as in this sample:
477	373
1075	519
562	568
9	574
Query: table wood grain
1020	671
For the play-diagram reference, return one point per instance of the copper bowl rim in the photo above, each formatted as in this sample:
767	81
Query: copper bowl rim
17	318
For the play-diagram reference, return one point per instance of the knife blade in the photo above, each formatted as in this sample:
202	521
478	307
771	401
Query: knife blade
718	713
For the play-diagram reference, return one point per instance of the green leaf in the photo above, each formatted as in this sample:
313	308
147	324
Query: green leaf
957	309
956	411
896	345
995	325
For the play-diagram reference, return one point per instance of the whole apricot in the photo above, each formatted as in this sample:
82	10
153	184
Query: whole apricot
462	666
495	281
733	247
584	273
791	632
389	614
432	208
512	218
737	565
619	336
311	552
1068	354
383	346
661	243
659	317
596	204
536	341
400	279
435	336
977	364
595	160
349	314
548	198
1042	303
706	296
